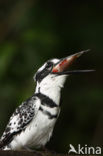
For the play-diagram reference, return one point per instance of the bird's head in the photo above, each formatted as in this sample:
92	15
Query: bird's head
55	71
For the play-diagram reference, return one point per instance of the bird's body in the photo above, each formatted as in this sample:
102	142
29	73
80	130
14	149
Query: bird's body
44	110
32	123
38	132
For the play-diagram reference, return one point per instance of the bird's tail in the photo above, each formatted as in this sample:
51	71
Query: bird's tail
1	145
4	147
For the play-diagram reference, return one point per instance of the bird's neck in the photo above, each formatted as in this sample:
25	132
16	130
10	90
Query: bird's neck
53	92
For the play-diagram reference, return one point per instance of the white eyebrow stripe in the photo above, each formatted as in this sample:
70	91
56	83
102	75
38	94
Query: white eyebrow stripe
54	60
42	67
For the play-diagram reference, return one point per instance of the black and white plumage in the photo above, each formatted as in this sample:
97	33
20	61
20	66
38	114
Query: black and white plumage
19	120
32	123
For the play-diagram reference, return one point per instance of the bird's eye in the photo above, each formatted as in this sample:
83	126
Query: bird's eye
49	65
47	68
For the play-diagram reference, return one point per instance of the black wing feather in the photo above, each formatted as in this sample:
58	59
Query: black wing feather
19	120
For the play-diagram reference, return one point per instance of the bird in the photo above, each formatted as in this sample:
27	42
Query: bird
32	123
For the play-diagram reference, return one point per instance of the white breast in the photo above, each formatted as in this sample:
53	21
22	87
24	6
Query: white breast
37	133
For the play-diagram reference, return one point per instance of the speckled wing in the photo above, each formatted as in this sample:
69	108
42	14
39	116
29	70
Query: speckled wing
22	116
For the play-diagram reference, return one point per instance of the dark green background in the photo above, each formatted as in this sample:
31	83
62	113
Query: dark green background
32	32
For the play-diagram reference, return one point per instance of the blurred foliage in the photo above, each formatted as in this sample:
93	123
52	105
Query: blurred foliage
32	32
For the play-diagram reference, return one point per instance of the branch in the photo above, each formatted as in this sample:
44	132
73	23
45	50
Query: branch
34	153
26	153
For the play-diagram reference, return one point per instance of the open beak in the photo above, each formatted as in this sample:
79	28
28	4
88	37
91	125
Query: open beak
61	67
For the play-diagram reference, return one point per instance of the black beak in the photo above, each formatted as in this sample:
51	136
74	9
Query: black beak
65	63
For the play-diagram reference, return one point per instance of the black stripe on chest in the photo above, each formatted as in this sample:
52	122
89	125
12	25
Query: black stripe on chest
46	101
50	116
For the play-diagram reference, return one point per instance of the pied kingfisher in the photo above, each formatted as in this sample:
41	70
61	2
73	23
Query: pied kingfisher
32	123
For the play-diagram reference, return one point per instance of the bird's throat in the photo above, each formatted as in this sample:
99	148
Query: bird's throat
53	93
